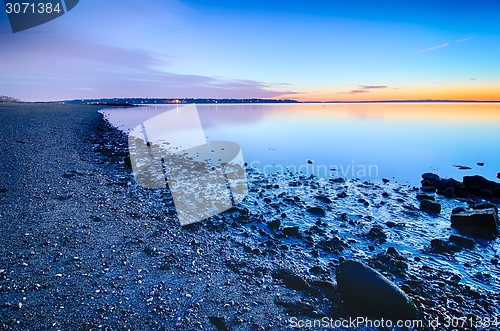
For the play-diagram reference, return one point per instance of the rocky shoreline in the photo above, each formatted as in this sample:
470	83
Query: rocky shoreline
83	247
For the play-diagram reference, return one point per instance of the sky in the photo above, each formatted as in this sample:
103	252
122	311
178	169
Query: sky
305	50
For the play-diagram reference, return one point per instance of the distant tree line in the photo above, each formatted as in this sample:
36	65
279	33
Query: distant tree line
4	98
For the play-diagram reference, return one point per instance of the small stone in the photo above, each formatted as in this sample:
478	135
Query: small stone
430	206
425	197
219	323
292	231
442	246
482	218
291	280
317	211
385	180
483	205
274	225
309	162
481	164
458	210
462	241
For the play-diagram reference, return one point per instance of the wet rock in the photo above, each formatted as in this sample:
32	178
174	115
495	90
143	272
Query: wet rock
334	245
448	192
317	270
219	323
292	231
127	162
442	246
370	293
482	218
342	194
498	175
462	241
428	189
430	176
385	195
390	224
323	199
476	183
385	180
377	234
317	211
481	164
291	280
458	210
390	261
483	205
274	225
430	206
425	197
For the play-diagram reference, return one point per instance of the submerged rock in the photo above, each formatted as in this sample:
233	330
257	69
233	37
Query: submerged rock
317	211
481	218
462	241
370	293
430	205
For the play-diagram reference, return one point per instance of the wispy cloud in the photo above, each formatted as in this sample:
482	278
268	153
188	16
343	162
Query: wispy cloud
65	68
364	89
358	91
431	49
368	87
465	39
473	78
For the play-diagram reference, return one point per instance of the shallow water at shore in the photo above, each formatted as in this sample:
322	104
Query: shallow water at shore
318	221
367	141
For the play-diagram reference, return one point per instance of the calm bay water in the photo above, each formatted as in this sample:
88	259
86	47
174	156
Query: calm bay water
399	141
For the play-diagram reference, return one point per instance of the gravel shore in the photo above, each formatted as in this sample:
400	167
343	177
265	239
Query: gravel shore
82	247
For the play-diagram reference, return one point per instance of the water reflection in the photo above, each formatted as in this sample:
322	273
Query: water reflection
400	140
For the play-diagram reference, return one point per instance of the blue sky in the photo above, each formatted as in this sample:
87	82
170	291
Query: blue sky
307	50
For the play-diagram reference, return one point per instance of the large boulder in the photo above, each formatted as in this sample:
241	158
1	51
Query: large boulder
431	177
478	183
370	293
481	218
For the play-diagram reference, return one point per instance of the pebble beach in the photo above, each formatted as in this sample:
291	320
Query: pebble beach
83	247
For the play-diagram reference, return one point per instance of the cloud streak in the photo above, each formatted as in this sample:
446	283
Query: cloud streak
465	39
369	87
431	49
68	68
365	89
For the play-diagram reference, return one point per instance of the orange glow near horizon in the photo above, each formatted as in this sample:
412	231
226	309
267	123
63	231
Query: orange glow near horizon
439	112
437	92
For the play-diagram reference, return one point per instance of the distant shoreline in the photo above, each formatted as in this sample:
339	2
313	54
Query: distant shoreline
159	101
